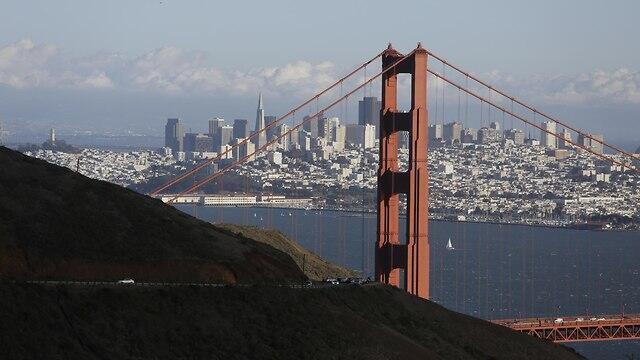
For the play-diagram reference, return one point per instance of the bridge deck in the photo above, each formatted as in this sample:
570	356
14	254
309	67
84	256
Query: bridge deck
576	328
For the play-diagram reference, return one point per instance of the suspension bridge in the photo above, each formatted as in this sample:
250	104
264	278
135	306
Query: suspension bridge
405	263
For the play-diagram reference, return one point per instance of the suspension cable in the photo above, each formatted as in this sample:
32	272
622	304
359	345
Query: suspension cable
513	99
602	156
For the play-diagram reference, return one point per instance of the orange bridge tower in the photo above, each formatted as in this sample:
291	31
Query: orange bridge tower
412	256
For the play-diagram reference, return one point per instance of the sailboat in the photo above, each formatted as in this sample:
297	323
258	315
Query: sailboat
449	245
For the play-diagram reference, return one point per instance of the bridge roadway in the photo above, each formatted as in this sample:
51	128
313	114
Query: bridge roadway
576	328
308	285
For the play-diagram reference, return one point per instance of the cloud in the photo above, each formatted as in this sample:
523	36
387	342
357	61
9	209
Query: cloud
167	70
25	64
173	71
598	87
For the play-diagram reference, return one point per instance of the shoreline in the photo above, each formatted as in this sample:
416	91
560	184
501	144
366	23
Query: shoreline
435	218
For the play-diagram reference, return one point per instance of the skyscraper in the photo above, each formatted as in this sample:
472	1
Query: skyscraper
339	137
596	146
311	126
200	143
52	136
293	137
452	131
565	138
223	137
174	135
360	135
283	143
516	135
273	131
215	124
240	128
260	139
435	131
369	111
590	141
326	127
548	139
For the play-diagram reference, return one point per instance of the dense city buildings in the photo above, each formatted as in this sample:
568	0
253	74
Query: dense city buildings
490	174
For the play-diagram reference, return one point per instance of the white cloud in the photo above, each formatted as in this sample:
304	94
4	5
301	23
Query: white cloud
27	65
599	87
171	70
166	70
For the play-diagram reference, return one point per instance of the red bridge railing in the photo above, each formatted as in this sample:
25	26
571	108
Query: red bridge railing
576	329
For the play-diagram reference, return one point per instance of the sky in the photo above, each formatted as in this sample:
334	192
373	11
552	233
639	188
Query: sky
128	65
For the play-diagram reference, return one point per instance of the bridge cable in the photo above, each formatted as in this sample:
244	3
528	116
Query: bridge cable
602	156
456	68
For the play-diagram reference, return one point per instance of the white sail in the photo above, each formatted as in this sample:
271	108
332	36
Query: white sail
449	245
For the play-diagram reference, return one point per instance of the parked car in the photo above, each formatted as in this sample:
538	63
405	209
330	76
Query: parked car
332	281
126	281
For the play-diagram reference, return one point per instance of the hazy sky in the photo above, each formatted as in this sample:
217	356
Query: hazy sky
130	64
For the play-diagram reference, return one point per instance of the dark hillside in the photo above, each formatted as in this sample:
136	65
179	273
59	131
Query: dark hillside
351	322
57	224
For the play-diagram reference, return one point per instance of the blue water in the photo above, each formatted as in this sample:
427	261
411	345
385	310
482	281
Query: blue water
496	271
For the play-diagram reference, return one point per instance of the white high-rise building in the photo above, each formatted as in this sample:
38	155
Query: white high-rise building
547	139
52	136
339	137
261	139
